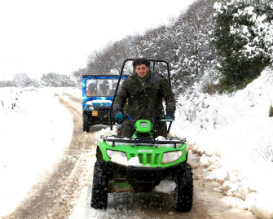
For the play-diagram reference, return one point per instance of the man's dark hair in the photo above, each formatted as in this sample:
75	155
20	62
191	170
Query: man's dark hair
141	61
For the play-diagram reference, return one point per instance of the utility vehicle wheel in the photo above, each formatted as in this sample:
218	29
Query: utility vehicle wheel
86	123
100	186
184	190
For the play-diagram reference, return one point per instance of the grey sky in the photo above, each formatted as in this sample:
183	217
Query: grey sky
41	36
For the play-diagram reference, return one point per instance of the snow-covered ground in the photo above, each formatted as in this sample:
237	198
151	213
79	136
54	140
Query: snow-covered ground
35	129
233	132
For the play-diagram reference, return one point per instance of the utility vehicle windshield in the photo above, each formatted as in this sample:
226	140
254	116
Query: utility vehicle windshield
101	87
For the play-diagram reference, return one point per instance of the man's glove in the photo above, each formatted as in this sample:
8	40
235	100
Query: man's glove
170	115
119	116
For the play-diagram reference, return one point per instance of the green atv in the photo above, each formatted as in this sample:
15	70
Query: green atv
140	163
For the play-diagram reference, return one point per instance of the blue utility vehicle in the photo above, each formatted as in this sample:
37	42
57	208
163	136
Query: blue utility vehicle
98	92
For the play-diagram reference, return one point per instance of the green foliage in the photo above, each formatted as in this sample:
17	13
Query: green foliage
243	38
238	74
271	111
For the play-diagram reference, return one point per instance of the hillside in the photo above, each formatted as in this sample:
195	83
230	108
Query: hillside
234	134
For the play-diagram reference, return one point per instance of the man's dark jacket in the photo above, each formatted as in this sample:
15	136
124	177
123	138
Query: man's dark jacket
145	101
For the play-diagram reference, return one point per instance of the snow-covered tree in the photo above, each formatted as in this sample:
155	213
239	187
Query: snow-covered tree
57	80
192	34
109	59
243	35
22	80
184	43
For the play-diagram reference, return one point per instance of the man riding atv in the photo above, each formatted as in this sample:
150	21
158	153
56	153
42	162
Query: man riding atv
139	160
145	90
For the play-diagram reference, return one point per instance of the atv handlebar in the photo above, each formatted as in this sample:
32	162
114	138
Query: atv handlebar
164	118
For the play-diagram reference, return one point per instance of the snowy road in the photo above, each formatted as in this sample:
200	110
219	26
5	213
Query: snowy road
66	192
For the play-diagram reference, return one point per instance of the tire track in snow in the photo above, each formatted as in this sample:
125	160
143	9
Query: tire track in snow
53	198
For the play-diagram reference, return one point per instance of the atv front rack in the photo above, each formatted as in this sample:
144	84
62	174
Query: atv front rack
143	141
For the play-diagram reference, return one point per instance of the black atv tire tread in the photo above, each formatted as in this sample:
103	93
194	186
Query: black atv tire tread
184	191
100	186
86	123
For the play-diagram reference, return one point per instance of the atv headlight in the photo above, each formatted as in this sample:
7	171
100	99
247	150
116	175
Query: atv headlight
91	107
169	157
117	156
113	154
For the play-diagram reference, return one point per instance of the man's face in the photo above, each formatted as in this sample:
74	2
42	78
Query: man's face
142	70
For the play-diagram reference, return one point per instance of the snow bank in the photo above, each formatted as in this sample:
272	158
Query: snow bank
34	130
234	132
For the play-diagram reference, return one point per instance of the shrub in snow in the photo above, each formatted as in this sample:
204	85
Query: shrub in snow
57	80
243	35
271	111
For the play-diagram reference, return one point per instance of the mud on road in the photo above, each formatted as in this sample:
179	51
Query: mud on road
56	196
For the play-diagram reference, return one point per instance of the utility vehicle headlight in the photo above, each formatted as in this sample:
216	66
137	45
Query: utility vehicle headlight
169	157
91	107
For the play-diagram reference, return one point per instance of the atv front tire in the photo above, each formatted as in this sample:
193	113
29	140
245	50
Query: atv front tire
184	190
86	123
100	186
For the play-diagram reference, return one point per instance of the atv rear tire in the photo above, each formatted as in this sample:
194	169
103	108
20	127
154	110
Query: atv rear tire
184	190
100	186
